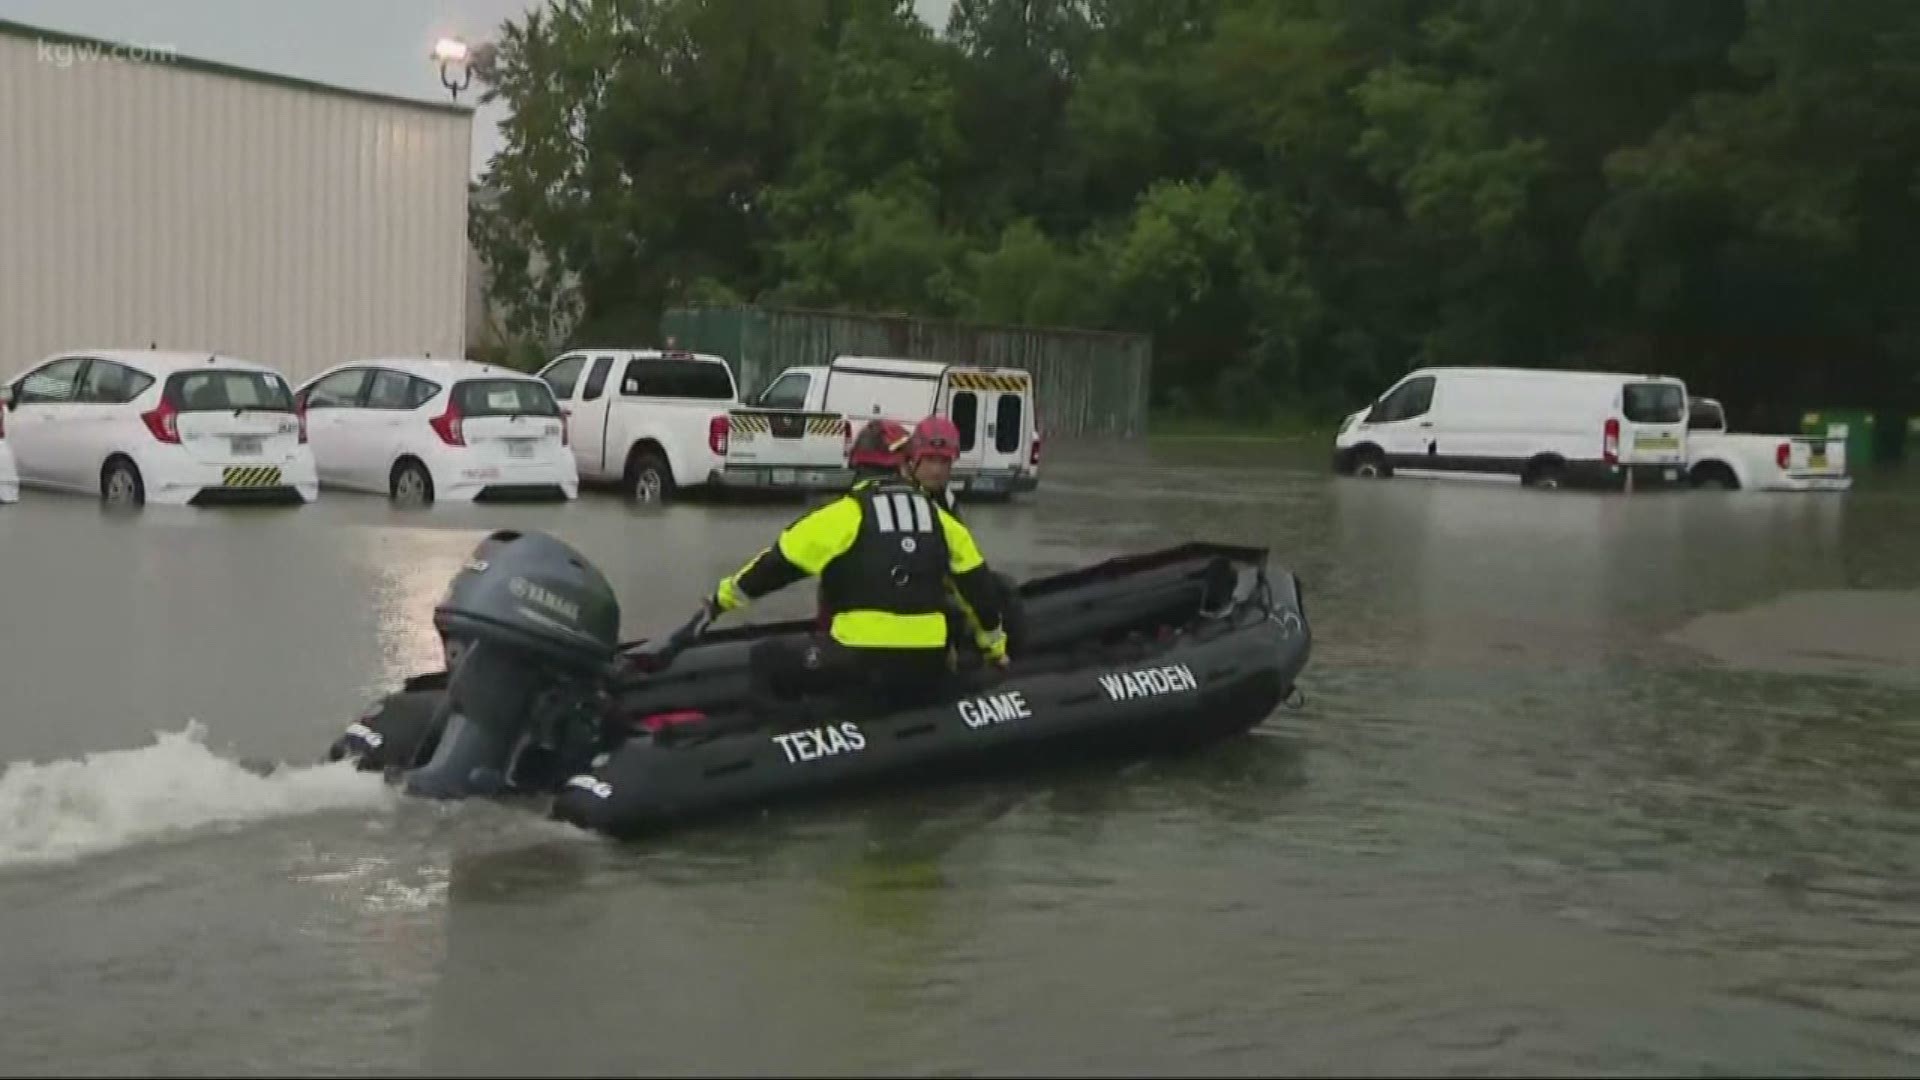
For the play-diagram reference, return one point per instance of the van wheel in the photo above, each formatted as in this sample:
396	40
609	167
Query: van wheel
121	485
1371	464
649	480
410	484
1545	474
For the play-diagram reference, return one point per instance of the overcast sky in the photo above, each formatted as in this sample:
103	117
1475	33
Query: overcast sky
378	45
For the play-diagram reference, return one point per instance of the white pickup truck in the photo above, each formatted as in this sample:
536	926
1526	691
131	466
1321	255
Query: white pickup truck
1732	460
992	407
660	421
653	420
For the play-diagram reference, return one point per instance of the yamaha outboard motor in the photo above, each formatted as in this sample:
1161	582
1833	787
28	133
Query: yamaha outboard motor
529	614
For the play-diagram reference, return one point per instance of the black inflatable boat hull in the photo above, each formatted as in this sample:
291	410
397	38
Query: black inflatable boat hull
1144	654
1196	689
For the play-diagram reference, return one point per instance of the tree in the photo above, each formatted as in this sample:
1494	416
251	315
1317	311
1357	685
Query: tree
1299	199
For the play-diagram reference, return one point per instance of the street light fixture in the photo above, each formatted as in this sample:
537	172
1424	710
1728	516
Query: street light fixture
451	51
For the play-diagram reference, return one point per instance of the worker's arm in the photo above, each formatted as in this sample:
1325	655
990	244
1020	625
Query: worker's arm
973	617
803	550
978	593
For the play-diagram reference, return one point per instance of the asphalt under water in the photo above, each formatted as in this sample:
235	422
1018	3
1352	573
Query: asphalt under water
1556	802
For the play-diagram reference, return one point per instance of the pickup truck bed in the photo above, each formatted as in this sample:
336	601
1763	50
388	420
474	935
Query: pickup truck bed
1737	460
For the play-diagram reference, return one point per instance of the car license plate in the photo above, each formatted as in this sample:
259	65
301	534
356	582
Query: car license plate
1671	475
1656	442
986	483
1817	459
520	448
784	476
246	444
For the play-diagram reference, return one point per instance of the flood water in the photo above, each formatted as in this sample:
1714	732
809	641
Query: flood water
1530	818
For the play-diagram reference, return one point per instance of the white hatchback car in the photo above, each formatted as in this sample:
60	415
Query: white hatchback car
149	426
9	475
420	430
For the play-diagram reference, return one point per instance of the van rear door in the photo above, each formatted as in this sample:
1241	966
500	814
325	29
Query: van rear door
1008	400
993	408
1654	422
964	407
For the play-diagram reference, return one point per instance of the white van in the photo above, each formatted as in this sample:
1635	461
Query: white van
1542	427
992	407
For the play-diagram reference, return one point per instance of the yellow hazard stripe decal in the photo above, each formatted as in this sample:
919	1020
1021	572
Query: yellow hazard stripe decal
974	380
815	425
244	476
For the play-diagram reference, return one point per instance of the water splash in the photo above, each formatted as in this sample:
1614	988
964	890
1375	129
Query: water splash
66	810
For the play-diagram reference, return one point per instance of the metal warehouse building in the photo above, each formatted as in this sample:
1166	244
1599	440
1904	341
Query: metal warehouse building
186	204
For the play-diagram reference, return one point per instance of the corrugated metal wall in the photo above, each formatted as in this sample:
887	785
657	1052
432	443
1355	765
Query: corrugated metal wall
1087	383
162	202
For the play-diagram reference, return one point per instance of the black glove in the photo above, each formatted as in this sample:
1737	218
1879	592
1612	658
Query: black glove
703	618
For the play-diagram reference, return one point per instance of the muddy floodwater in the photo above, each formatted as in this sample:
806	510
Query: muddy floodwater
1581	784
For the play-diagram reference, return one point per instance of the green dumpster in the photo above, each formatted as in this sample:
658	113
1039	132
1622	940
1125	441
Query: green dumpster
1855	426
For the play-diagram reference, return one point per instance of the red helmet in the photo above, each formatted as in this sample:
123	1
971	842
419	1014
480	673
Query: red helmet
934	437
877	445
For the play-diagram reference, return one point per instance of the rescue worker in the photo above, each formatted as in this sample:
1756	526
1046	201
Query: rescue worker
937	482
874	456
884	553
876	451
933	473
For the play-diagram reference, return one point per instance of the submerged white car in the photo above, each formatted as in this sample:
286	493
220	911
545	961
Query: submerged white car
140	426
421	430
9	475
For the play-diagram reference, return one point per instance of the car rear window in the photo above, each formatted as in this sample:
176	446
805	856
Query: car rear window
1654	403
219	389
505	397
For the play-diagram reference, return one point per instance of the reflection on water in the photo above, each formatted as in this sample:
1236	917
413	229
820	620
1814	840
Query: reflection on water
1540	577
407	571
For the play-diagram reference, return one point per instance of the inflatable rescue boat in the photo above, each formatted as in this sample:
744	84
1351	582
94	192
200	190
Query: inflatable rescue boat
1143	654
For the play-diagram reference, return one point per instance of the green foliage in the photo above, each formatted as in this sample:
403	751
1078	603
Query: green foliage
1299	199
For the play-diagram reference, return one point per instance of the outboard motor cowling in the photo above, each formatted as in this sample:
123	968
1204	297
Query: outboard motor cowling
528	612
534	592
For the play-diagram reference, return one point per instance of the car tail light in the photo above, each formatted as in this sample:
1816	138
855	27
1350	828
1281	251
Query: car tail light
162	421
1782	454
1033	457
717	434
1610	441
447	425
